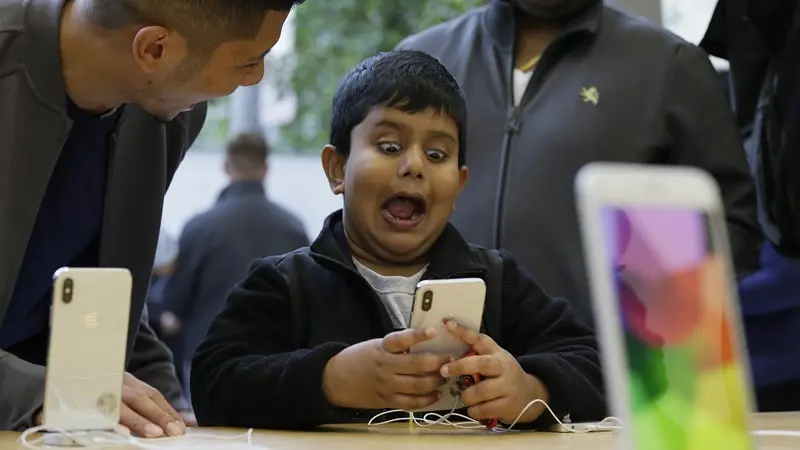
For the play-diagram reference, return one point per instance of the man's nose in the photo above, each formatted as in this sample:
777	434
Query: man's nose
255	77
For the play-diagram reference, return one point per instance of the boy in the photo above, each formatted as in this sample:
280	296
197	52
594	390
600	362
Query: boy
311	337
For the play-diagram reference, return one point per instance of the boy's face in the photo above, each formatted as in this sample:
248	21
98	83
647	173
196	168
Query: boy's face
400	183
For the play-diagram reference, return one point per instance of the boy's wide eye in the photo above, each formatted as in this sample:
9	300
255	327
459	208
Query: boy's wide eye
389	147
436	155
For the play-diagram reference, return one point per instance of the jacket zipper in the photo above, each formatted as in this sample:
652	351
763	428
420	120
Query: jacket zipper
513	125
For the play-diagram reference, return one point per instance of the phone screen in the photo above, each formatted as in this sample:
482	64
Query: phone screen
687	386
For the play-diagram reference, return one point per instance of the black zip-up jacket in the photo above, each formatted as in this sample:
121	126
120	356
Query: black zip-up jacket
659	101
262	361
761	40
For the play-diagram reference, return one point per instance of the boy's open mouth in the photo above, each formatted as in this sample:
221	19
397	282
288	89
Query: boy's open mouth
404	209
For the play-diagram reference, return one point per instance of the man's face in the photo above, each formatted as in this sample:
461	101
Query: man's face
400	182
552	9
176	79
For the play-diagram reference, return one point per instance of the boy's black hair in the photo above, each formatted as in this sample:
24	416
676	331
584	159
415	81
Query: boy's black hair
407	80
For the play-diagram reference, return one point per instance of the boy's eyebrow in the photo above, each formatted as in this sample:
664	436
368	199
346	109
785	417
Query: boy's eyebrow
444	135
401	127
391	124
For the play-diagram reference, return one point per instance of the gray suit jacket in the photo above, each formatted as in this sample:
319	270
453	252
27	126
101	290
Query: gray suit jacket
33	129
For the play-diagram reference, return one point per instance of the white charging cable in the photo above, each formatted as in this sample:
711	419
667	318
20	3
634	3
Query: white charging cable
119	436
431	419
428	420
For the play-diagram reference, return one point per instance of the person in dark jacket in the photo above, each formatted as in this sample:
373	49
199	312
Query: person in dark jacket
554	85
99	102
761	40
321	333
216	248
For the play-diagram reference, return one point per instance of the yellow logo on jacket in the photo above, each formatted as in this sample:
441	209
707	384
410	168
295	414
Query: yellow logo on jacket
590	95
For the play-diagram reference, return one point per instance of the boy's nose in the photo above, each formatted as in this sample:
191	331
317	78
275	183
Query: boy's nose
413	164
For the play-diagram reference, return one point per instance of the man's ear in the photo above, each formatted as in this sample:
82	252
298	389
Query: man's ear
159	49
333	163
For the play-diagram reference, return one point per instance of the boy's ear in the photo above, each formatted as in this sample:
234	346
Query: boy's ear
463	176
333	164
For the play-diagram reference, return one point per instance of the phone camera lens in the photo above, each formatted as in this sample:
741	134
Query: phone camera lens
427	300
66	291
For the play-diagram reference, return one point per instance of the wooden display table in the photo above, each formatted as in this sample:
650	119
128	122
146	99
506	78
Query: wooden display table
400	437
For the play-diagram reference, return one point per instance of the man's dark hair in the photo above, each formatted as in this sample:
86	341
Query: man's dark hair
205	23
407	80
247	152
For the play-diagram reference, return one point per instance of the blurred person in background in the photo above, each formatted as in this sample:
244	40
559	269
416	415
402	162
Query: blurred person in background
216	248
166	254
99	102
761	40
555	84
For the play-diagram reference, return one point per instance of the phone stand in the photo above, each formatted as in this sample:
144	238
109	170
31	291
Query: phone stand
81	439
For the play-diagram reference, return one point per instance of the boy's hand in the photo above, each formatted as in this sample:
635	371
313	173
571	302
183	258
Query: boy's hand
504	390
378	374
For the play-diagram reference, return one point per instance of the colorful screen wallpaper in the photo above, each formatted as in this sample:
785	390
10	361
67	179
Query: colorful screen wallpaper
687	385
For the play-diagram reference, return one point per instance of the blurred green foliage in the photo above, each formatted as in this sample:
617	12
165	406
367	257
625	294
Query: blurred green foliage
331	38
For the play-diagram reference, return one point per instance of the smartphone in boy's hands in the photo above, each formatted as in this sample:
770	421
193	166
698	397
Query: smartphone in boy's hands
403	370
382	374
436	301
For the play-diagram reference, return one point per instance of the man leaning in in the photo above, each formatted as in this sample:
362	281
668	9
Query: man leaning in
100	101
